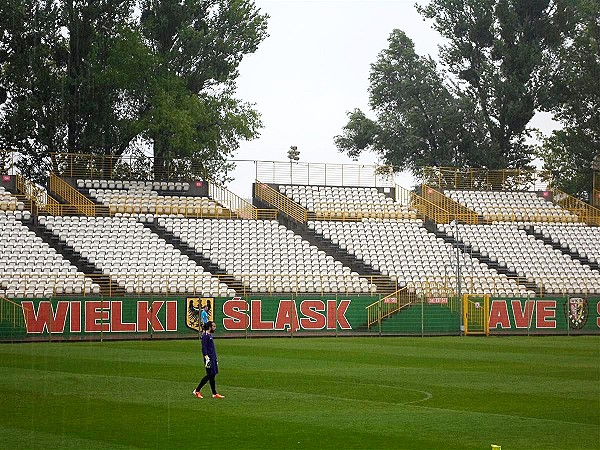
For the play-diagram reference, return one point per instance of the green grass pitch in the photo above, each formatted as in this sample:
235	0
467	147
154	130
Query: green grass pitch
326	393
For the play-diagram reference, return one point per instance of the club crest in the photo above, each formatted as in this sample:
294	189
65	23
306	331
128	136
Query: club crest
194	306
576	312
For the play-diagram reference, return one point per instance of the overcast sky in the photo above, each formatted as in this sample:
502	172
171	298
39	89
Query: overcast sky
311	70
314	68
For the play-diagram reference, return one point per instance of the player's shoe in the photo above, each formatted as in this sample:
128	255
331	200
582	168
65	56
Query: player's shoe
197	394
218	396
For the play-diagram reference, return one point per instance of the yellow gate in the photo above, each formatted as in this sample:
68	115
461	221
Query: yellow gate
476	313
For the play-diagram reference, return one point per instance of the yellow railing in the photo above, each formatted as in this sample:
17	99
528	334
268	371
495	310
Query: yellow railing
79	201
584	211
38	196
284	204
240	207
455	210
389	305
485	179
11	312
428	209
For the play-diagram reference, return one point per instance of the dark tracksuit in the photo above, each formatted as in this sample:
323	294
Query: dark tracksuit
208	348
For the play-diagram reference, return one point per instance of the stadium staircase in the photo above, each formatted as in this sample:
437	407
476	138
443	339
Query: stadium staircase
499	267
196	256
385	285
104	212
108	287
562	246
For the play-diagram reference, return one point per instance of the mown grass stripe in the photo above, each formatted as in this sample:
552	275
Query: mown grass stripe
455	393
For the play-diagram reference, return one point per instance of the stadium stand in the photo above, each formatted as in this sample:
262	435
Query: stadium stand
577	239
143	197
8	202
335	202
511	206
166	238
266	256
408	252
30	268
136	258
512	247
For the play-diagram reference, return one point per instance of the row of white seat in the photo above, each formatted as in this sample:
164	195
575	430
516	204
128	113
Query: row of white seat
519	205
584	240
407	248
30	267
222	242
128	184
511	246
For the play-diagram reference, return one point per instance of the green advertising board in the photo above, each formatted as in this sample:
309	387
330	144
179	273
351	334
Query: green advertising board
560	315
93	318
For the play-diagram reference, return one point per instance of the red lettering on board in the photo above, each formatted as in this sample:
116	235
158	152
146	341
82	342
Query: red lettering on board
94	312
545	313
336	314
313	319
234	311
75	313
499	314
523	318
287	316
46	318
256	315
149	314
116	319
171	316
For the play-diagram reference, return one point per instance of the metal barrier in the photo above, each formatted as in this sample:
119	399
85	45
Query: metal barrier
389	305
485	179
585	212
12	313
240	207
325	174
38	196
80	202
476	313
284	204
455	210
117	284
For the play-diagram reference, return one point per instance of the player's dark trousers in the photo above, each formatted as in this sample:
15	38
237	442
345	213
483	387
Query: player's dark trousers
208	378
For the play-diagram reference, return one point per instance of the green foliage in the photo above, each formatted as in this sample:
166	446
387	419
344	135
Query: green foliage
574	97
98	76
475	110
191	110
352	393
417	116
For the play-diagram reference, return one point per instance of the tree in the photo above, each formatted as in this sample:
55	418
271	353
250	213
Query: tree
475	110
574	97
191	110
68	71
84	76
418	119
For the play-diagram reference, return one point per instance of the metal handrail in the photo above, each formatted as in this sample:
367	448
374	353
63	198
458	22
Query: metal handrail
273	198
